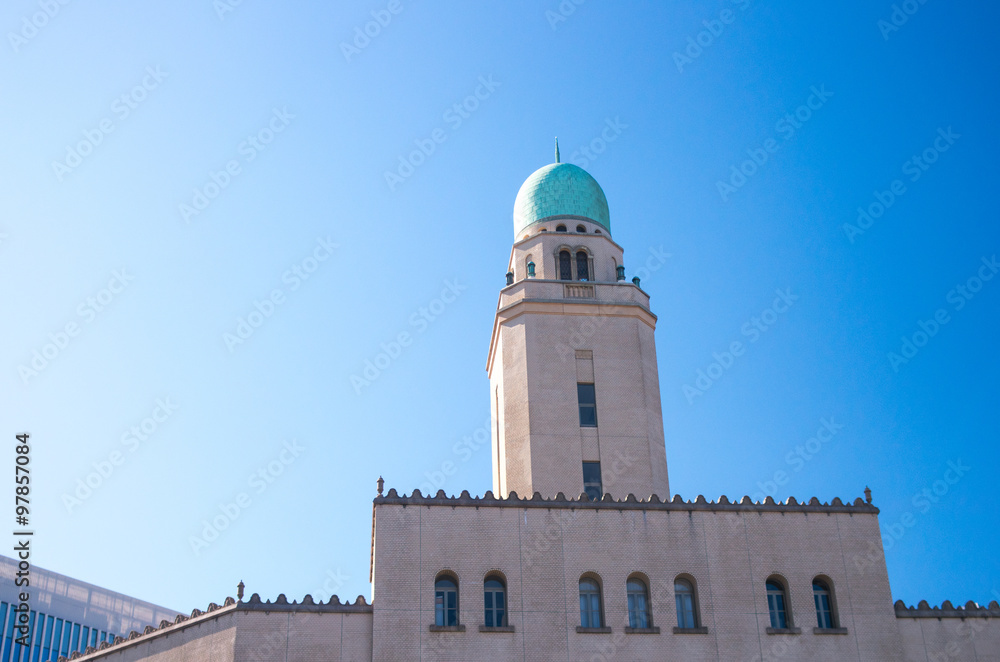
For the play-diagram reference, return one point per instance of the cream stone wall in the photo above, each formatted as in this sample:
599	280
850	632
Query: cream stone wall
544	547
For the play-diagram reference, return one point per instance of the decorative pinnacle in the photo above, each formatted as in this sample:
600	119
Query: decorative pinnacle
868	494
239	590
557	149
381	484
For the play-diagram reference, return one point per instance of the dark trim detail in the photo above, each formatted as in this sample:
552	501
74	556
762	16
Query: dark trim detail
446	628
947	610
829	630
583	630
701	630
501	628
783	630
652	630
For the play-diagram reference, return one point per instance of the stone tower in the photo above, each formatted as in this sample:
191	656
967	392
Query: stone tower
572	362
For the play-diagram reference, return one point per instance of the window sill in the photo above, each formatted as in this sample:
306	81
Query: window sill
652	630
829	630
783	630
583	630
691	630
446	628
498	628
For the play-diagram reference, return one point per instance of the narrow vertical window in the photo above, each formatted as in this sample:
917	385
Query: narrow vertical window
582	266
445	602
824	606
495	603
776	605
565	266
638	604
592	480
587	398
687	617
590	604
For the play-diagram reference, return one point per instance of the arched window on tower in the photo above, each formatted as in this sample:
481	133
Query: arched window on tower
638	604
687	608
565	266
582	266
590	603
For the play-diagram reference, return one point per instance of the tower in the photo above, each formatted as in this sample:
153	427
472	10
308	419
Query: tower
572	361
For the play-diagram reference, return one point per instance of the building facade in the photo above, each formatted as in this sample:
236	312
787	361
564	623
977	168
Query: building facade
66	615
580	552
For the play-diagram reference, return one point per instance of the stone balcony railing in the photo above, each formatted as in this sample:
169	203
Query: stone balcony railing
537	289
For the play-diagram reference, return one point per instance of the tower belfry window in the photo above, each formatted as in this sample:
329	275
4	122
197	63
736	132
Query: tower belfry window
582	266
565	266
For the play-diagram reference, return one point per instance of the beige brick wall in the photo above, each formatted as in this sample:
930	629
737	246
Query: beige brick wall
543	552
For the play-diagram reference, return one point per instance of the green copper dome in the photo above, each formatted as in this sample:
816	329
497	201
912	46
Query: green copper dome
560	189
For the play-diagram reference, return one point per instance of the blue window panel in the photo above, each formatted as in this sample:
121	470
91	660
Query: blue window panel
46	643
74	642
8	640
67	632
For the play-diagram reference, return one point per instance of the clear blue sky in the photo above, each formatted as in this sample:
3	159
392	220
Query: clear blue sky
309	130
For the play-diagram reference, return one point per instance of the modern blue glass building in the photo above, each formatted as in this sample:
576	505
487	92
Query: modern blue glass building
67	615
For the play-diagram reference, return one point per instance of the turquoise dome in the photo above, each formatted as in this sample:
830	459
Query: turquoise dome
560	189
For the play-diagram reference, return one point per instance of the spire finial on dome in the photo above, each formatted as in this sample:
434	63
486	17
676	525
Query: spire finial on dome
557	149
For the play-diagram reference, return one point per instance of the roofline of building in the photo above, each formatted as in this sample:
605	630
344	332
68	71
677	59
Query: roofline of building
947	610
281	604
858	506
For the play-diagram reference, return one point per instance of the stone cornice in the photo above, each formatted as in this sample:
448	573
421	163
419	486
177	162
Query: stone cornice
465	500
947	610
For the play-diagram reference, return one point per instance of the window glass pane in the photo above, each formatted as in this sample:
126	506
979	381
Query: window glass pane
592	480
565	270
582	272
588	405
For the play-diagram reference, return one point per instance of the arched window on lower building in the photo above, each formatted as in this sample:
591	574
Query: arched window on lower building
590	603
495	602
687	605
777	605
446	601
826	617
638	604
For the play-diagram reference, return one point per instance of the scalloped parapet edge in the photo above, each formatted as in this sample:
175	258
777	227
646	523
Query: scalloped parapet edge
947	610
630	502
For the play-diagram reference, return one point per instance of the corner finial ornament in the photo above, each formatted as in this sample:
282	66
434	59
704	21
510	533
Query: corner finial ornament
868	494
239	590
381	484
557	149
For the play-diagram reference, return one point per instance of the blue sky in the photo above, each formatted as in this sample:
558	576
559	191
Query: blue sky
172	173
